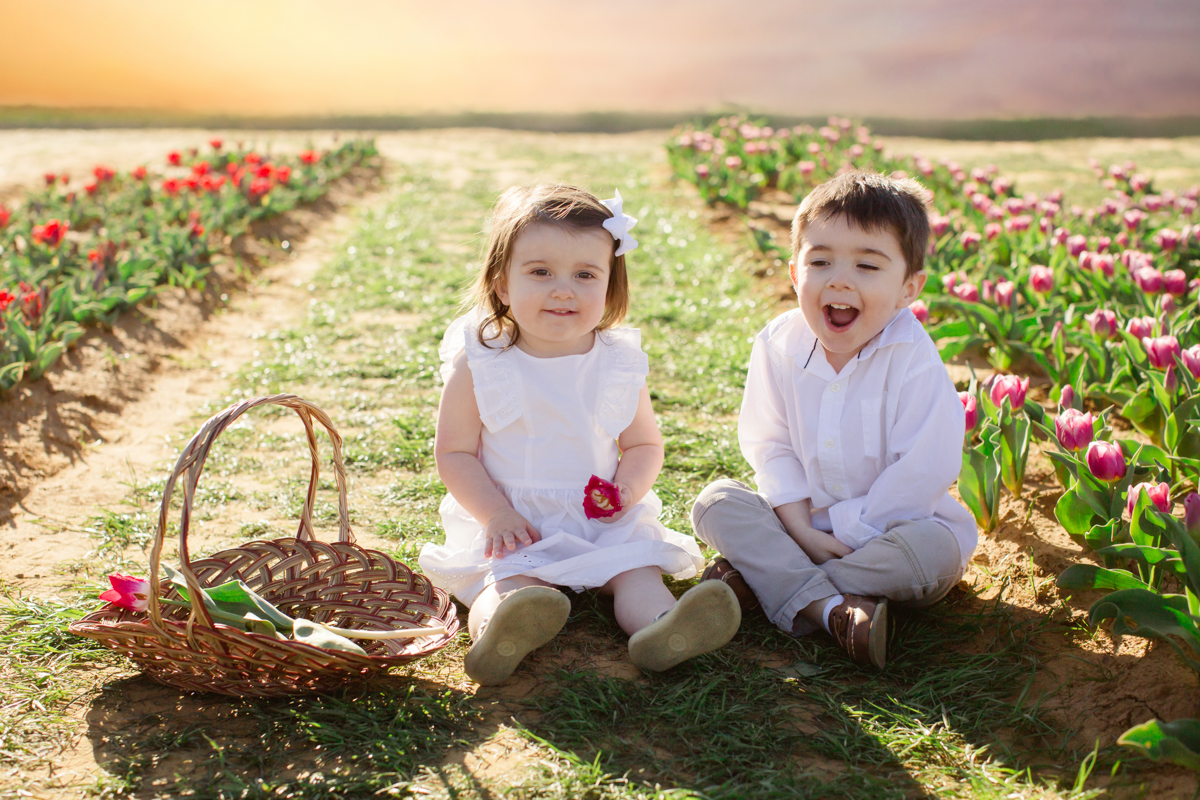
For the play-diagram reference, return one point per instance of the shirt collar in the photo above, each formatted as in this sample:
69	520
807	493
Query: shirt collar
899	330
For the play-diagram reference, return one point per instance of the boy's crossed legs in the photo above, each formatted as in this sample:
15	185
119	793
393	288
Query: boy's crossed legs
915	563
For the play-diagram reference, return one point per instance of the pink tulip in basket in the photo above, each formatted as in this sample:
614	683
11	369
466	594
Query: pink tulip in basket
396	614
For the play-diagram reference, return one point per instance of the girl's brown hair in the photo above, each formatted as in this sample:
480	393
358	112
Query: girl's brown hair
566	207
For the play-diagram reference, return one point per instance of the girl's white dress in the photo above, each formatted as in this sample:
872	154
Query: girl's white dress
549	424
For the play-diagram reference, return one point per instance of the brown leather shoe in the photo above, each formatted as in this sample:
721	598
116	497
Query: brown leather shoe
721	570
859	626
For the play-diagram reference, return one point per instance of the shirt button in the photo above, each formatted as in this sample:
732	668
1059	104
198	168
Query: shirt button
829	442
837	487
835	388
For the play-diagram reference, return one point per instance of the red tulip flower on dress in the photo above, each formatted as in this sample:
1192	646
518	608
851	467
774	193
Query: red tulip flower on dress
128	592
601	498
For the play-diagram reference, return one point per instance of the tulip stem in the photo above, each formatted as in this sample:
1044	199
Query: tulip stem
350	633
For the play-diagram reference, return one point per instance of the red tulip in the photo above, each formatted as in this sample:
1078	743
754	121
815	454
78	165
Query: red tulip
260	186
920	311
1074	429
601	498
200	168
172	186
174	158
51	234
32	303
1008	386
6	299
90	188
283	174
971	407
1161	351
1175	282
1159	493
128	592
215	144
138	173
1102	323
50	178
1191	360
252	158
1105	461
5	215
1041	278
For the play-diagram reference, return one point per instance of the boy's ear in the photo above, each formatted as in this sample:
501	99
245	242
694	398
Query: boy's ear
912	287
792	270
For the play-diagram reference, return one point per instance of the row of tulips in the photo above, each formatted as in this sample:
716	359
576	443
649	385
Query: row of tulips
70	256
1101	300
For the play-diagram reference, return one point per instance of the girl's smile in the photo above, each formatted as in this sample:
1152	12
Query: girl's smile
556	288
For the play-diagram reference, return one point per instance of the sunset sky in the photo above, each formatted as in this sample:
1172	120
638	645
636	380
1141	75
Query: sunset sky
917	58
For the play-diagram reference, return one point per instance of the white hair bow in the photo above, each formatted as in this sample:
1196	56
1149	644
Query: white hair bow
620	224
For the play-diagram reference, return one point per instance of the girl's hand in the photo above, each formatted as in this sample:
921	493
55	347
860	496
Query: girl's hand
626	504
505	531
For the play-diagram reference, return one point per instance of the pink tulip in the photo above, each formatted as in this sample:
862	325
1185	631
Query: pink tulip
1171	380
1103	243
1005	294
1191	514
128	592
971	407
1074	429
601	498
967	291
1175	282
1018	223
1105	461
1149	280
992	230
970	239
1102	323
1167	239
733	162
1105	263
1167	304
1008	386
1161	350
949	281
920	311
1076	244
1085	260
1191	360
1159	493
806	167
1140	327
987	290
939	224
1041	279
1123	239
702	170
1133	218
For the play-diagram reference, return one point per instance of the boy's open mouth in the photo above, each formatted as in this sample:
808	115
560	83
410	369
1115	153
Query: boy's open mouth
840	316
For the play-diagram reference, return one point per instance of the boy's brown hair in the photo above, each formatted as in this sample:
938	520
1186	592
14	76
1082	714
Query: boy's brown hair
871	201
566	207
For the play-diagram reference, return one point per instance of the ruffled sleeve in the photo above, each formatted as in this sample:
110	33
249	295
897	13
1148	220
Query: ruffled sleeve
497	387
623	373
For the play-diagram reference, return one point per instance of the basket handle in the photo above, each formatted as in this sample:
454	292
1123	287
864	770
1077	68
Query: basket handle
191	464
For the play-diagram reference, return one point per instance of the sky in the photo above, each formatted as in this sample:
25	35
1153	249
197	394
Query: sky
896	58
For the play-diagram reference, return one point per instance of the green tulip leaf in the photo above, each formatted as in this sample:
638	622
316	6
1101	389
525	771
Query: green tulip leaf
1073	513
1154	556
1089	576
1176	742
1153	616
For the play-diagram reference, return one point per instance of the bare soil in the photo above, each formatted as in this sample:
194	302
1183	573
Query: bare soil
74	441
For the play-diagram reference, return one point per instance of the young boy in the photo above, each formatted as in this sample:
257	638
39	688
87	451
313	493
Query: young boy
854	431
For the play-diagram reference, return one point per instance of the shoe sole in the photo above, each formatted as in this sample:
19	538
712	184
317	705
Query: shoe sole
525	620
877	640
705	618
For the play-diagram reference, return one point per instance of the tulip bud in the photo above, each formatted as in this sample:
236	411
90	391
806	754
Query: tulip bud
920	311
1105	461
1074	429
968	292
1076	244
987	290
1140	327
1161	351
1066	398
1005	294
1167	304
1041	279
1191	360
1148	279
1009	386
971	407
1102	323
1171	380
1056	333
1191	514
1160	495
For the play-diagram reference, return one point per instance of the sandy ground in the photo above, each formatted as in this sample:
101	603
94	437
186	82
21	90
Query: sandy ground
74	441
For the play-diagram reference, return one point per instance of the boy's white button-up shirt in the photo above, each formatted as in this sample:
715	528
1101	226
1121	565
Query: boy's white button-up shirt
881	441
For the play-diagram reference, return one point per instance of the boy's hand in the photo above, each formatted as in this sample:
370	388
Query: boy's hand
626	504
505	531
819	546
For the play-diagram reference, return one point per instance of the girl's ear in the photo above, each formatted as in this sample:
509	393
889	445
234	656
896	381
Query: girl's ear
500	287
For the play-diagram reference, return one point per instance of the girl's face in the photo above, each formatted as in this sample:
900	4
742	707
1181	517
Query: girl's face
555	288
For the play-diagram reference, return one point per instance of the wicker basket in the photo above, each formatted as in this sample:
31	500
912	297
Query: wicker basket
339	584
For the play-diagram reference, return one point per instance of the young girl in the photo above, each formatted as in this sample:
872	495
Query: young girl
541	393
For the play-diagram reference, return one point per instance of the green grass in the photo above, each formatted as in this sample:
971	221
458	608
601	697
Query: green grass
769	716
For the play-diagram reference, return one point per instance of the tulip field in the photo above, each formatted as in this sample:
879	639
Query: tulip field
1098	304
73	255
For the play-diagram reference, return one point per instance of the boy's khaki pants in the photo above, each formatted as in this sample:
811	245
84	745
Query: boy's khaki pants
914	562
